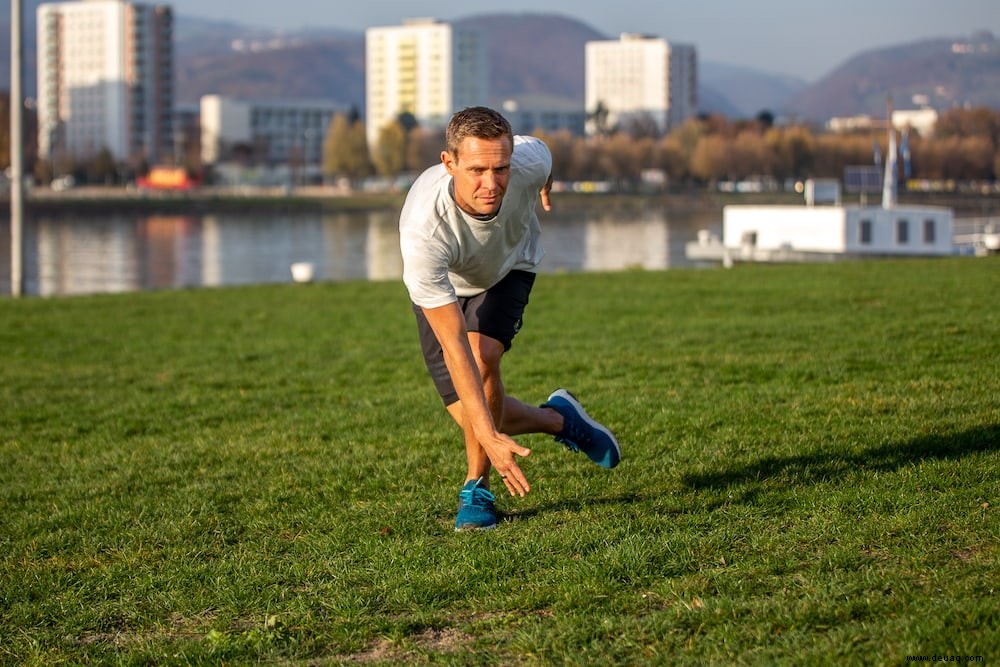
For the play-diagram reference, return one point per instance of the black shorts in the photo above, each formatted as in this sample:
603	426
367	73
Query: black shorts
498	313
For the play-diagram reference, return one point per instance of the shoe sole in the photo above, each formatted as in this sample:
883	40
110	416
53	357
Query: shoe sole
571	399
470	529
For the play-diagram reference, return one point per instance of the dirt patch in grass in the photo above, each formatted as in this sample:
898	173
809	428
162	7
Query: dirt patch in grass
432	640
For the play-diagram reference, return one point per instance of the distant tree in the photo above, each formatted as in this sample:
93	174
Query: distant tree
792	151
718	124
669	156
976	122
423	148
710	160
687	137
598	119
390	152
835	152
335	145
101	169
345	149
408	121
561	147
359	164
765	119
641	126
585	162
749	156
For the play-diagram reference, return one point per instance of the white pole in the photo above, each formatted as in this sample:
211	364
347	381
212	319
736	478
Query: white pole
16	150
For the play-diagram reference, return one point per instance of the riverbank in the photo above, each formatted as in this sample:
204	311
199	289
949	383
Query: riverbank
329	198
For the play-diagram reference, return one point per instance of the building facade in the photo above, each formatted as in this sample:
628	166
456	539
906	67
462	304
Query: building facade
425	68
529	114
266	132
105	80
640	79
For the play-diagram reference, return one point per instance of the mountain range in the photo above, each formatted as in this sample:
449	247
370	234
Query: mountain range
544	54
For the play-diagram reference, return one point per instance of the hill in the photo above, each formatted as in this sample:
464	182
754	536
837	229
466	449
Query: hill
941	73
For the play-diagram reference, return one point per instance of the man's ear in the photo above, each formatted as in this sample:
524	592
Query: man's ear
449	161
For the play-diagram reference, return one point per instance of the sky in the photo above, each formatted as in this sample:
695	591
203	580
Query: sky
802	38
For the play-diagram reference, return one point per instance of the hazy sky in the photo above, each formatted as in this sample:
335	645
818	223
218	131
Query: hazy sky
804	38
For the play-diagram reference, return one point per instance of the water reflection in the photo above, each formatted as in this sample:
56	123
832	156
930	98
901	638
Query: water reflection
130	252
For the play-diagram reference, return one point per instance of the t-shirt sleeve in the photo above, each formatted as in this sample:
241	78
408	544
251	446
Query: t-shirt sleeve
534	159
424	245
425	270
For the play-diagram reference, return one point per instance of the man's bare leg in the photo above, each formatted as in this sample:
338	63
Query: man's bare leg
512	416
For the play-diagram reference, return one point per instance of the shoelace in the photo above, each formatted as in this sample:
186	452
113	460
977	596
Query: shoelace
569	444
477	495
574	432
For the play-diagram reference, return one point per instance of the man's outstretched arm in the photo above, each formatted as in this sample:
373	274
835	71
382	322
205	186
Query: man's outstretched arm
448	325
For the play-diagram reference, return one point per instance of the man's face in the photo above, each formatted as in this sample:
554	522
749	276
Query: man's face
481	171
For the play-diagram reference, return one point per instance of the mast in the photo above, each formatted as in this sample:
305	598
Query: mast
889	182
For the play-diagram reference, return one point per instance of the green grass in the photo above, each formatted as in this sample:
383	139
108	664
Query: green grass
265	474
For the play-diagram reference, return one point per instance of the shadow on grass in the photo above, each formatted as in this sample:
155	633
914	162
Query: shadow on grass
567	505
821	466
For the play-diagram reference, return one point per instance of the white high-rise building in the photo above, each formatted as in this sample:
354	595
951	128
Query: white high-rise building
105	80
424	67
639	78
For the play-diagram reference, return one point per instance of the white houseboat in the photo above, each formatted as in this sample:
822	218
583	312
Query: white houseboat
823	228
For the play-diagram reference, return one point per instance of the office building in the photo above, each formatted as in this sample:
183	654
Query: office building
265	132
548	114
640	79
105	80
281	141
425	68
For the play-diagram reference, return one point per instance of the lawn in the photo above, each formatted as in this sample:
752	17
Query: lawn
265	474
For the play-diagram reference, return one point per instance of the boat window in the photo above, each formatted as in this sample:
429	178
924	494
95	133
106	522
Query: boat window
902	232
929	231
865	232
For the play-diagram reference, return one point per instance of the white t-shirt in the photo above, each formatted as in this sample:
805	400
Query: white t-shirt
448	253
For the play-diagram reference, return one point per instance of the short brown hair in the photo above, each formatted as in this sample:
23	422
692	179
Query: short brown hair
477	122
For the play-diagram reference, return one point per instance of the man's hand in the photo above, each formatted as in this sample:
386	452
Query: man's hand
546	199
501	450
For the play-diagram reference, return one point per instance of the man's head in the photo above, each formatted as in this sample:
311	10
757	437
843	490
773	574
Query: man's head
478	146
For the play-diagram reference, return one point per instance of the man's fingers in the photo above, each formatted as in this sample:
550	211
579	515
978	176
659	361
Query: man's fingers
546	200
515	481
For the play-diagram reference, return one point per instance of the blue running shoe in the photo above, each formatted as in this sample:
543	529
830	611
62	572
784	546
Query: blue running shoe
475	507
581	433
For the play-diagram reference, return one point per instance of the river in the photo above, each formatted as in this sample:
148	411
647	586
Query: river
92	252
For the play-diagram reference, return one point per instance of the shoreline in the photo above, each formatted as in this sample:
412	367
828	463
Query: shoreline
334	199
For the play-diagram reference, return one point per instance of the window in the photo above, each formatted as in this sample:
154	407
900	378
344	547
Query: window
902	232
929	233
865	232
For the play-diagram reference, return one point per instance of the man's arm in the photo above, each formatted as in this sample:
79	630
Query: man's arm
448	325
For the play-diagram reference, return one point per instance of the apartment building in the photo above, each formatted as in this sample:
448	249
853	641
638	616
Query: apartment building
105	80
426	68
638	79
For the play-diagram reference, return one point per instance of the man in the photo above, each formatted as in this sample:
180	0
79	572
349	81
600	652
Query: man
470	242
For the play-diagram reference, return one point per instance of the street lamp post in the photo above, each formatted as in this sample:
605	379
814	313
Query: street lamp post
16	150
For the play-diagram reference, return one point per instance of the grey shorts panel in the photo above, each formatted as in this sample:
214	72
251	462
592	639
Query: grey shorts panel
498	313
